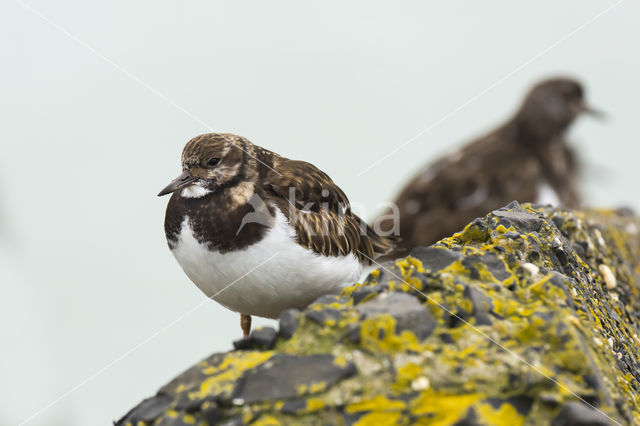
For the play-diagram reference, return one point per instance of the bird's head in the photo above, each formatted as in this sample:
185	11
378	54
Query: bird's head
209	162
552	105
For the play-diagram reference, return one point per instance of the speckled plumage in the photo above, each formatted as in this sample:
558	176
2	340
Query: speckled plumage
526	159
321	214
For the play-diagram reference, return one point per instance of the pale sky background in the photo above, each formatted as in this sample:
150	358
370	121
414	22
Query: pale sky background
85	274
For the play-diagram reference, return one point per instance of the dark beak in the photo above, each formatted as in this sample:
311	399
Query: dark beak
596	113
185	179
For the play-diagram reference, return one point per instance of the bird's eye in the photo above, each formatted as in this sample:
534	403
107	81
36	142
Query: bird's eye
213	162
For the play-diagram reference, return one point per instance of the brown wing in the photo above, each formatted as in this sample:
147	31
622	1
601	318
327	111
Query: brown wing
449	194
320	212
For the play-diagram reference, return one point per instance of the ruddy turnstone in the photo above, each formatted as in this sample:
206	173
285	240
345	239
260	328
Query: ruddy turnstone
525	159
260	233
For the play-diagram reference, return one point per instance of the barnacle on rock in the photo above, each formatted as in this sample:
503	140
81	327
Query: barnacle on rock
529	315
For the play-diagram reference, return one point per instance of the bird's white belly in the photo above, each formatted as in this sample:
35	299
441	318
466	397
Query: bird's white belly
267	277
547	195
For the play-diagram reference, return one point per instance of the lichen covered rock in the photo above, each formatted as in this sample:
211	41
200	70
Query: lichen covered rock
529	315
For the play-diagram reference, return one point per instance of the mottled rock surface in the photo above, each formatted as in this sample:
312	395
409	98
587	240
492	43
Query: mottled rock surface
529	315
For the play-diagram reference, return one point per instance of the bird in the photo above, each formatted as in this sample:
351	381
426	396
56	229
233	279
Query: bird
260	233
526	159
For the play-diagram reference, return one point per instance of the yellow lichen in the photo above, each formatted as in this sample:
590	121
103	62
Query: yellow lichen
230	369
189	419
317	387
378	334
314	404
340	361
411	283
266	421
405	375
442	409
378	403
380	419
505	415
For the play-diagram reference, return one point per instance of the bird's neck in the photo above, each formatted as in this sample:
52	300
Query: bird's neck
223	220
534	133
225	200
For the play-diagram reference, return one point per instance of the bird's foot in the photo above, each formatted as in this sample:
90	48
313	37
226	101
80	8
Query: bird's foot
245	324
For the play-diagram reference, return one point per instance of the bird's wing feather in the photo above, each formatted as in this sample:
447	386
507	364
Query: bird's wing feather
320	212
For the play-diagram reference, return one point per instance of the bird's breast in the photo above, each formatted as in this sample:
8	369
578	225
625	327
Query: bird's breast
547	195
266	277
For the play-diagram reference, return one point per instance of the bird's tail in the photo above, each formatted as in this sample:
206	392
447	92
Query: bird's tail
383	246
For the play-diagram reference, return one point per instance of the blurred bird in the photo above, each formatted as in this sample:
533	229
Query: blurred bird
260	233
526	159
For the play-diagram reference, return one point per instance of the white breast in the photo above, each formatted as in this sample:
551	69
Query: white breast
286	275
547	195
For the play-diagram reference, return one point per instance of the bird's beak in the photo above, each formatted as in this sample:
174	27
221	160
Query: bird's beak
180	182
596	113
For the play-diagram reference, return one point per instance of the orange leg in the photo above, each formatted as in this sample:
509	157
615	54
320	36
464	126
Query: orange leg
245	324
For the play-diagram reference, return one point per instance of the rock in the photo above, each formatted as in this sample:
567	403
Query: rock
435	258
324	316
261	338
407	311
579	414
490	261
607	275
149	409
365	293
288	323
481	305
289	376
515	216
510	321
322	310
